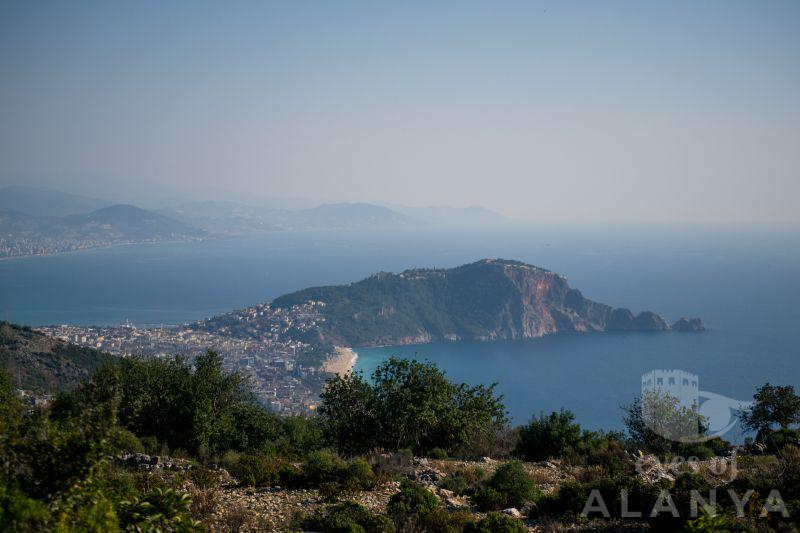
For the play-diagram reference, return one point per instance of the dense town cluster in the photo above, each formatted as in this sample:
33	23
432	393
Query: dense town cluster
20	247
259	341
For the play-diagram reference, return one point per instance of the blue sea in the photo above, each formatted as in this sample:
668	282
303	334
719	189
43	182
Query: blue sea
745	284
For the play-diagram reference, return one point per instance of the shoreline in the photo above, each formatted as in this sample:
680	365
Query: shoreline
342	362
101	247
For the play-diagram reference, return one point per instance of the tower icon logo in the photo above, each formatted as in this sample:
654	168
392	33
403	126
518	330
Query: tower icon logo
675	407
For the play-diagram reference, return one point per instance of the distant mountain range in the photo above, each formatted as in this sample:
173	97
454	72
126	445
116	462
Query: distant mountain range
491	299
38	202
229	217
23	234
34	221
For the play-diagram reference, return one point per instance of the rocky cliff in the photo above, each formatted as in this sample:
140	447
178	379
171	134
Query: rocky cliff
487	300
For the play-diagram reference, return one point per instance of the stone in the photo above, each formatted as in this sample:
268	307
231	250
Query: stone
513	512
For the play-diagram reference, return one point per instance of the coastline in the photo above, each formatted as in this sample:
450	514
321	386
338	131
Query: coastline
341	362
101	247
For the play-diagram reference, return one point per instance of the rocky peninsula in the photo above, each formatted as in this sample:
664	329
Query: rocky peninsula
491	299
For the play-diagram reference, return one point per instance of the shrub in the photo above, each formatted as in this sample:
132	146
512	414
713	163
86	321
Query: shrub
412	504
489	499
464	480
513	482
21	513
320	466
150	445
778	439
348	517
601	450
256	470
708	522
158	510
203	477
572	496
360	474
496	523
440	520
455	483
437	453
548	436
123	441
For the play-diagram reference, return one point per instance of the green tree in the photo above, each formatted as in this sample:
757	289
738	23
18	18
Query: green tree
348	414
658	423
548	436
201	410
773	405
410	405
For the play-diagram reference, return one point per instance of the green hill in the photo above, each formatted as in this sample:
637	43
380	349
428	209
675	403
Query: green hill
43	364
487	300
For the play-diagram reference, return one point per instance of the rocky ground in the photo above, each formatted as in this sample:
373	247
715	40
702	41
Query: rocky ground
230	507
271	509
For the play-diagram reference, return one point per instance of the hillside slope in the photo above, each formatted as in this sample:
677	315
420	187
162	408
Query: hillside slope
42	364
487	300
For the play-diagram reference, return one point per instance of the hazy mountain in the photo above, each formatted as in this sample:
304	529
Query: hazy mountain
22	234
116	222
352	215
452	216
232	217
229	217
39	202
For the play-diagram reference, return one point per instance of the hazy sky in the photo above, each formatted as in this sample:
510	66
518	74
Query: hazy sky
559	110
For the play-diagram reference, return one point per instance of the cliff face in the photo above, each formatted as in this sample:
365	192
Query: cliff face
486	300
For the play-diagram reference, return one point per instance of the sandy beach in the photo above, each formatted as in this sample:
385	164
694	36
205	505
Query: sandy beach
341	362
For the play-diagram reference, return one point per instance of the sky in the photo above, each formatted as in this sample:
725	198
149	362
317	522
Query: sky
679	111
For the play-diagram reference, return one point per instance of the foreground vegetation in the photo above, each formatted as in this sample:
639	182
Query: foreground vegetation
67	467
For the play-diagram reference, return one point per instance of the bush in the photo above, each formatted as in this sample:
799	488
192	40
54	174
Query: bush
123	441
462	481
411	505
437	453
348	517
203	477
21	513
150	445
320	466
605	451
572	496
778	439
548	436
440	520
489	499
360	474
159	510
496	523
513	482
256	470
